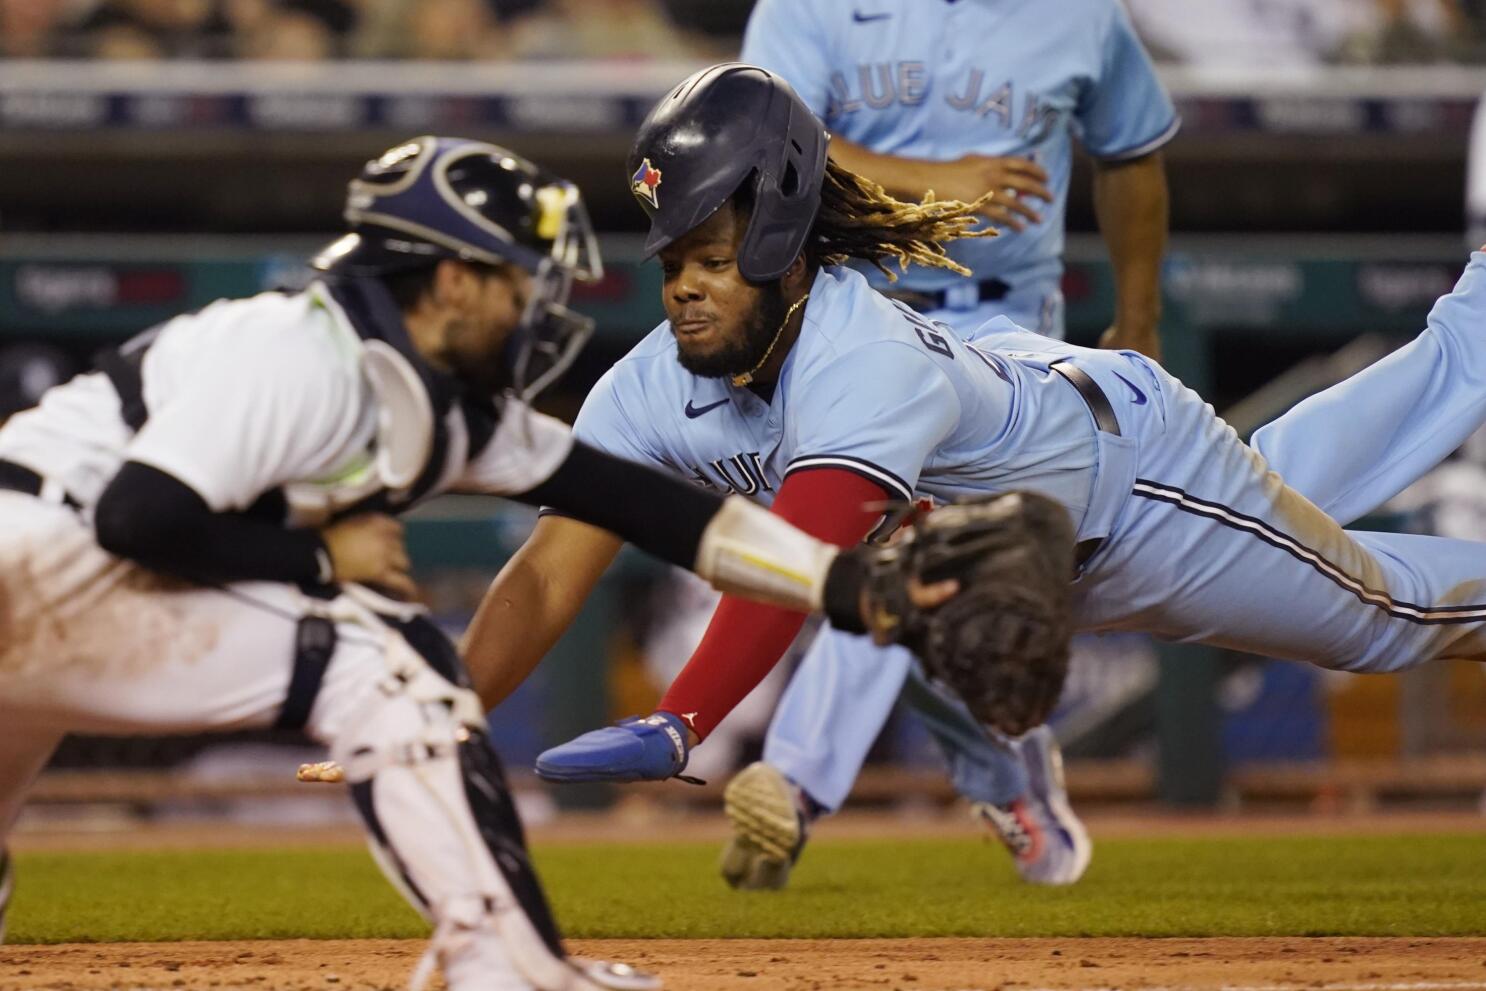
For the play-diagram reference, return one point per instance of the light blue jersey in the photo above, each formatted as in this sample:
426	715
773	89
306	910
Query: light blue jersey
870	386
1200	538
941	79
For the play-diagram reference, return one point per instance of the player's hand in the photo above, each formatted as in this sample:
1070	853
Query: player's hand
1147	341
923	596
368	549
1014	183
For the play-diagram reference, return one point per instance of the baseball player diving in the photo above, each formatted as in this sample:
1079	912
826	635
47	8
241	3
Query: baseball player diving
200	536
783	375
961	97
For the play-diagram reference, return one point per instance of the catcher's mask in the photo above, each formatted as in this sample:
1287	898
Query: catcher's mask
724	127
434	198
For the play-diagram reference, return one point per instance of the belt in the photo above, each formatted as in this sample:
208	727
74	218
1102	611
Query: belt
1098	402
1105	420
927	300
19	478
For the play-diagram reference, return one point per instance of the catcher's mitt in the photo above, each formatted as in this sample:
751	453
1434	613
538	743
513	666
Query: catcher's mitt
1001	644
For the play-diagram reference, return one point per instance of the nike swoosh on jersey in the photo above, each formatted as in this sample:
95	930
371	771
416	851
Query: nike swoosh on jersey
692	412
1139	396
862	18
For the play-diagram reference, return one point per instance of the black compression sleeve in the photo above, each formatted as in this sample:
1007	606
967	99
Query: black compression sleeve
656	511
842	596
152	518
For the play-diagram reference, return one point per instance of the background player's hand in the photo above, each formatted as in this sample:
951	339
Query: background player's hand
1146	340
1014	181
368	549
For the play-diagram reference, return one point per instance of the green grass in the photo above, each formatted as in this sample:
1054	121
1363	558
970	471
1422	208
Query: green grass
1416	885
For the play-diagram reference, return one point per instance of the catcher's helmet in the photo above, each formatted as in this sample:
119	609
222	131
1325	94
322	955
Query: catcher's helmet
434	198
723	127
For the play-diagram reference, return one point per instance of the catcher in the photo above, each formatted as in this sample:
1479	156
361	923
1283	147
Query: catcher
781	375
201	536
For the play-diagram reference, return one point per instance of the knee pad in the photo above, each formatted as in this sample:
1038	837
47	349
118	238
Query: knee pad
412	715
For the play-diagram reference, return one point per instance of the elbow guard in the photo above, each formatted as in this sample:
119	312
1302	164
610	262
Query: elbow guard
748	551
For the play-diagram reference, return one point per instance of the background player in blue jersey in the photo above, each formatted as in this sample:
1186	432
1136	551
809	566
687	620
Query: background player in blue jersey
965	97
826	397
961	98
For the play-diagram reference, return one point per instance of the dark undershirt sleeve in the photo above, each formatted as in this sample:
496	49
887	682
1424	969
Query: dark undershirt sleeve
156	520
842	596
652	509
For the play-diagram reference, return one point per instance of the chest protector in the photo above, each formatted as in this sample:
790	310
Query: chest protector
428	424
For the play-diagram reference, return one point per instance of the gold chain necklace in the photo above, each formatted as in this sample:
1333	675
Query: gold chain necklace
739	381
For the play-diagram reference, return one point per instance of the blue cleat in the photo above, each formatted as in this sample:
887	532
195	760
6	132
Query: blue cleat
650	749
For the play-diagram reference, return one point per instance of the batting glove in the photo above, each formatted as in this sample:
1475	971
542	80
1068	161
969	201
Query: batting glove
650	749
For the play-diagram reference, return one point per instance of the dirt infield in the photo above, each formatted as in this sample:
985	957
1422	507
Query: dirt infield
795	965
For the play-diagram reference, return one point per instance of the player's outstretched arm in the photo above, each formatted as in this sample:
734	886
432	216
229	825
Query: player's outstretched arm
742	644
979	591
532	602
738	547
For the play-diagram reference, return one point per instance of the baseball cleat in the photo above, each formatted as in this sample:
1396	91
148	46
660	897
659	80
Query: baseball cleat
769	828
650	749
491	959
1046	840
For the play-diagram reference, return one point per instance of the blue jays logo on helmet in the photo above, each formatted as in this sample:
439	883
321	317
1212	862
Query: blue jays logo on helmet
645	182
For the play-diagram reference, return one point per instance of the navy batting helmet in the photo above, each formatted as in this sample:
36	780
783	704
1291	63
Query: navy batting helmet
724	127
434	198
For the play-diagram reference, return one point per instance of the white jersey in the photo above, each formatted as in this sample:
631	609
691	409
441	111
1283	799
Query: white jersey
253	396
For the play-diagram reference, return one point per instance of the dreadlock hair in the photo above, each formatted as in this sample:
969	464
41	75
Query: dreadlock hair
859	219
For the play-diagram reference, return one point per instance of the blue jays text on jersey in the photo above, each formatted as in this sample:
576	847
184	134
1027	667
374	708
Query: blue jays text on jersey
879	86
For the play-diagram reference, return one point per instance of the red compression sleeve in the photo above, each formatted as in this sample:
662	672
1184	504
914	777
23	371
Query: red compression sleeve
746	639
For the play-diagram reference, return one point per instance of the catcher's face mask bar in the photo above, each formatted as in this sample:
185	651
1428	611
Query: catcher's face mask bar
550	335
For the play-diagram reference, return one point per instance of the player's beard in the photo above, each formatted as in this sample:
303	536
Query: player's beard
476	356
744	352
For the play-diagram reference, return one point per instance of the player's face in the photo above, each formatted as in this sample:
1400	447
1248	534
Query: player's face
482	316
723	323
